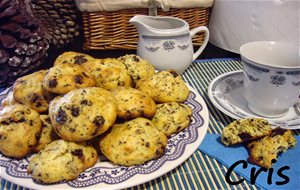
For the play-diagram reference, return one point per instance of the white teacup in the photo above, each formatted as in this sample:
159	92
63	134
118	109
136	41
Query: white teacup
271	77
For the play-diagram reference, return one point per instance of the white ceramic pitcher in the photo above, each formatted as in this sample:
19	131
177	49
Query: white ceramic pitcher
166	42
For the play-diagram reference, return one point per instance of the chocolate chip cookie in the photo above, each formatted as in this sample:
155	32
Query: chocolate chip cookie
71	57
61	161
264	152
47	134
28	91
83	114
133	142
20	127
245	130
109	73
164	86
172	117
137	67
133	103
63	78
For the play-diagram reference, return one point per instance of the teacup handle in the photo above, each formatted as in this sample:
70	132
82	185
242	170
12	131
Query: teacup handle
205	41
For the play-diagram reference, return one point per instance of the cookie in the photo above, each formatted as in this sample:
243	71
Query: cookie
63	78
83	114
172	117
47	134
109	73
133	142
137	67
71	57
28	91
164	86
61	161
133	103
245	130
8	100
19	128
264	152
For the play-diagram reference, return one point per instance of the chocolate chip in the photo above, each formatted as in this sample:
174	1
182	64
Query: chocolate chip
135	58
278	131
79	59
158	153
245	136
75	111
34	97
77	152
147	144
48	120
86	102
61	117
52	83
99	121
39	104
78	79
37	136
4	123
84	74
21	120
174	73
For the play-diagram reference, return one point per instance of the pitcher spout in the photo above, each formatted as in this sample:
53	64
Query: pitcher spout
139	21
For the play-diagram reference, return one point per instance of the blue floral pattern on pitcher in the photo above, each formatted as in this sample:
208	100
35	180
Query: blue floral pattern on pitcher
169	45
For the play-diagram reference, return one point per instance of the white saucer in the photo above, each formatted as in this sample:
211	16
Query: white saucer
226	93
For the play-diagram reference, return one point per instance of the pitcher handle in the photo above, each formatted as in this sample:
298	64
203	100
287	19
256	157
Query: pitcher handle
205	41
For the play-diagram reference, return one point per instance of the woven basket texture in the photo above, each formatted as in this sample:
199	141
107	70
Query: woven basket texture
107	30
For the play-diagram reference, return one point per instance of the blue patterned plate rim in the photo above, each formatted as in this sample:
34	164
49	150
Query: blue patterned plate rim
105	175
226	93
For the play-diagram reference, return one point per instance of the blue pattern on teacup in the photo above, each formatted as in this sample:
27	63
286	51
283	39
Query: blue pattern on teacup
117	174
278	79
254	67
252	78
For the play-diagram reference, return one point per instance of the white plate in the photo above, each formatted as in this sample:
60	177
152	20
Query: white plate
226	93
105	175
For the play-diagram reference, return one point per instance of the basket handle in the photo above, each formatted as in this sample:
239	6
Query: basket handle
152	7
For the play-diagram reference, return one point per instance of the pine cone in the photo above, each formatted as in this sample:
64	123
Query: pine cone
59	18
23	44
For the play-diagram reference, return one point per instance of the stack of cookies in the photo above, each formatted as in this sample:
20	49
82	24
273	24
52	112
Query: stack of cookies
263	142
122	104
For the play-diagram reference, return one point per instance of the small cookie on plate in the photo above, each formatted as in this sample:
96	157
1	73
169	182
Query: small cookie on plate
47	134
28	91
172	117
63	78
61	161
109	73
8	100
133	142
245	130
19	128
71	57
137	67
83	114
264	151
164	86
133	103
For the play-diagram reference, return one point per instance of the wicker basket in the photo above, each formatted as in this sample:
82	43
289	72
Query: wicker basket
111	30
